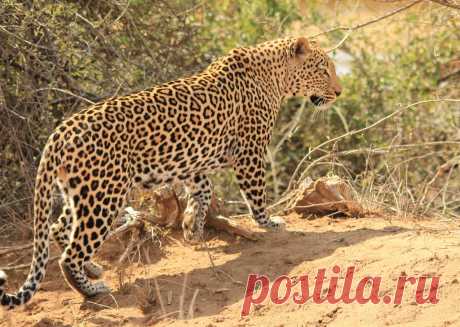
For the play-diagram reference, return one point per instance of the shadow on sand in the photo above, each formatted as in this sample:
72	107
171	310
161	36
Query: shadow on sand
274	255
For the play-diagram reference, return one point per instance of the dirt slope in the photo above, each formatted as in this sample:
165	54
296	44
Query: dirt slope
375	246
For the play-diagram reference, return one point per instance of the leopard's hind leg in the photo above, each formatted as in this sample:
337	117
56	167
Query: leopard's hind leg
94	208
61	232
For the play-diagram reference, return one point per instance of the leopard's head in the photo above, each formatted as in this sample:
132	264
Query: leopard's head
311	73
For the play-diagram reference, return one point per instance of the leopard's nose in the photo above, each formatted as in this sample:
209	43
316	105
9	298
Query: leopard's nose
337	93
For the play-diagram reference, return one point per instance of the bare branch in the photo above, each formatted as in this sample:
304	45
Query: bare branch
353	28
66	92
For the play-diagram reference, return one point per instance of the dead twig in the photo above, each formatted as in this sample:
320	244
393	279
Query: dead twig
65	92
26	265
16	248
160	299
11	249
182	297
169	299
191	308
217	270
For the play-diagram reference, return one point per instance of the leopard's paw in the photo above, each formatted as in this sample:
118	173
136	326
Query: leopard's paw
275	223
101	288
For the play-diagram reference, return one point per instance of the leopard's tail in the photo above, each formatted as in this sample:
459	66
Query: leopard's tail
45	182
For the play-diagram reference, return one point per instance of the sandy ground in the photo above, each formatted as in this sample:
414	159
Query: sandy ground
374	246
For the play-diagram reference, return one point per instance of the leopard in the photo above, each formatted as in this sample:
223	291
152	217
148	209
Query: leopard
176	132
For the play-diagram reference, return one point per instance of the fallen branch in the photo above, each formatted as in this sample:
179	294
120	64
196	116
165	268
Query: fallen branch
225	224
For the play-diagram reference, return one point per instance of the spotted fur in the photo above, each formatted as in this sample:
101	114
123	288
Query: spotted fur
179	131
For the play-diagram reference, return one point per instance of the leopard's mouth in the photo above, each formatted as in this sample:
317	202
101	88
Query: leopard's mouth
317	100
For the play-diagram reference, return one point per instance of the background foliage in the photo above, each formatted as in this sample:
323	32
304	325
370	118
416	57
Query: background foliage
58	57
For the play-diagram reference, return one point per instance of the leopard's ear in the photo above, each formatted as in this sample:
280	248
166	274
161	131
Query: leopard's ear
301	48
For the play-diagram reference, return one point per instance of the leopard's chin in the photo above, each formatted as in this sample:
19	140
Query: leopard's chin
317	100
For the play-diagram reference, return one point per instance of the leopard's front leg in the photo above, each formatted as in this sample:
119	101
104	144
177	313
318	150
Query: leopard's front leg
250	175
